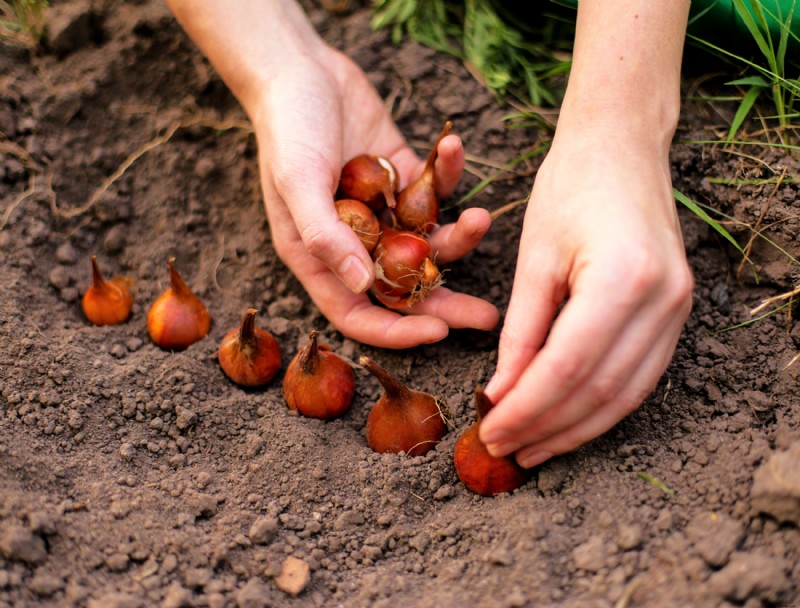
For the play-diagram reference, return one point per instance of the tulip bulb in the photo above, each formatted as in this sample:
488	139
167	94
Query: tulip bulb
361	220
178	318
478	470
249	355
107	302
403	419
318	382
417	205
370	179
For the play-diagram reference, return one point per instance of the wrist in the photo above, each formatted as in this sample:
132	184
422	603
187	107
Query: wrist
248	42
622	119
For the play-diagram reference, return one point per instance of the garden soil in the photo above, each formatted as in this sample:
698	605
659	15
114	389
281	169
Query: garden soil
132	476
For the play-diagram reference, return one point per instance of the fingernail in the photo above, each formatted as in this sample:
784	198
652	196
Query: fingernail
500	448
493	437
533	459
354	274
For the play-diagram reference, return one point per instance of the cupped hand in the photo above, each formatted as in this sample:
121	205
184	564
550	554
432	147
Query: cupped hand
601	292
322	111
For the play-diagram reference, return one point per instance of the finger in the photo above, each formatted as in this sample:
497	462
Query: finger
449	165
324	235
601	420
537	292
358	318
454	241
458	310
614	379
571	353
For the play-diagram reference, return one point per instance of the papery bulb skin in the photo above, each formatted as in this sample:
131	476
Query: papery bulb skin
417	205
370	179
107	302
404	269
478	470
178	318
361	220
249	356
402	420
319	383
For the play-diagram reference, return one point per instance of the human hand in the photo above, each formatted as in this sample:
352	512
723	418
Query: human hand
601	292
322	112
313	109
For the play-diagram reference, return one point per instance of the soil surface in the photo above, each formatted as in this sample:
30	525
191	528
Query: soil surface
133	476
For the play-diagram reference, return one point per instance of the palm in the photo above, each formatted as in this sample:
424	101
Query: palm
328	116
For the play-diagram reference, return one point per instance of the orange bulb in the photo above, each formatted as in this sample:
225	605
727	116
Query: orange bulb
481	472
403	419
178	318
249	355
107	302
318	382
417	204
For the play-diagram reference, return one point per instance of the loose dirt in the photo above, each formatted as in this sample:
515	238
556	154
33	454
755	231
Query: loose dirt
131	476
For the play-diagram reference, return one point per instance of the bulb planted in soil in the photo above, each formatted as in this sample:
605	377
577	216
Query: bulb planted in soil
249	355
318	382
478	470
402	420
178	318
107	302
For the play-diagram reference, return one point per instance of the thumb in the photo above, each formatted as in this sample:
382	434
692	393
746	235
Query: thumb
325	236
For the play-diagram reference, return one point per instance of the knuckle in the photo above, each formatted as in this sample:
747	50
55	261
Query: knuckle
317	240
645	272
566	370
607	388
681	289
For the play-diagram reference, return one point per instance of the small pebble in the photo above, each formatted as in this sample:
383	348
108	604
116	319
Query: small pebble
66	254
294	576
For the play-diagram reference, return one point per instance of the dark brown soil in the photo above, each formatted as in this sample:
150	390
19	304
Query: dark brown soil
131	476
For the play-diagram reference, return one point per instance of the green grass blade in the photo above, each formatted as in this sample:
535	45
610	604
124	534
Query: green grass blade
749	81
743	110
757	30
700	212
477	188
783	43
751	321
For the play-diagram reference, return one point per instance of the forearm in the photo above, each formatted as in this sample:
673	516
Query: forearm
626	67
247	41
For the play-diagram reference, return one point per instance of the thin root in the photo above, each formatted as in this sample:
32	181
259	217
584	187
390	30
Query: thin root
142	151
508	207
23	196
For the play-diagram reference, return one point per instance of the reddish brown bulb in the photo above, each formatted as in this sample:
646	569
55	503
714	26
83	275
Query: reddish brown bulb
318	382
481	472
402	420
107	302
249	355
404	269
370	179
361	219
178	318
418	204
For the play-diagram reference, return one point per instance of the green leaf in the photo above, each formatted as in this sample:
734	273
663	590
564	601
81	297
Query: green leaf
755	81
743	110
697	210
764	42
